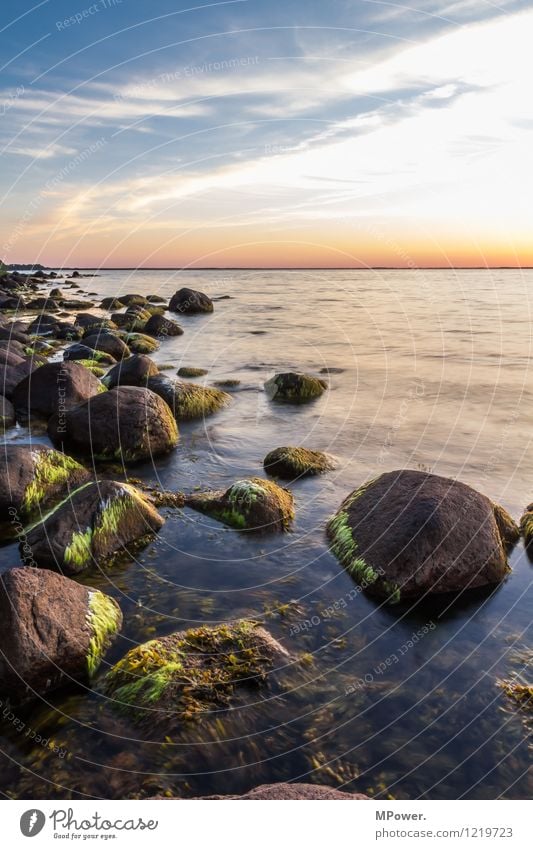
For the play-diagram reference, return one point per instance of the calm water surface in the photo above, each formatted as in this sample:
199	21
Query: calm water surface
436	375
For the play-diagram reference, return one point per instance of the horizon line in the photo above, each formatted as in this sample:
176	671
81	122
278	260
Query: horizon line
273	267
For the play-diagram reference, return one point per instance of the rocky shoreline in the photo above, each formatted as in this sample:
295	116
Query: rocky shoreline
403	535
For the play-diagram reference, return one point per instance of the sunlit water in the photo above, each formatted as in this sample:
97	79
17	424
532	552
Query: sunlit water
436	375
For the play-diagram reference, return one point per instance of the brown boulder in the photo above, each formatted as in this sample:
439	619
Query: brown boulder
54	387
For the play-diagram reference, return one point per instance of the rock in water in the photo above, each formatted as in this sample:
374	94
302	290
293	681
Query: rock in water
180	676
134	371
108	343
190	301
52	631
294	388
7	414
409	533
289	462
254	505
188	400
126	424
54	388
32	479
160	327
99	520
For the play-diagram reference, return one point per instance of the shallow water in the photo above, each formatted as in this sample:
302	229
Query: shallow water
436	369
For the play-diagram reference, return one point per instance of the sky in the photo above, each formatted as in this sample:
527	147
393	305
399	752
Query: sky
266	133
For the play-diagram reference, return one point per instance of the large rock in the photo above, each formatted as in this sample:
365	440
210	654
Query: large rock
134	371
108	343
32	479
126	424
160	327
254	505
11	376
140	343
190	301
407	533
99	520
93	323
54	388
294	387
290	462
188	400
78	351
180	676
7	414
52	631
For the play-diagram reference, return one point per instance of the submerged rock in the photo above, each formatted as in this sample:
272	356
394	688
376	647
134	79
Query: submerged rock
189	673
190	301
188	400
52	631
111	304
406	534
294	388
98	521
160	327
80	351
289	462
134	371
191	371
32	479
254	504
54	387
126	424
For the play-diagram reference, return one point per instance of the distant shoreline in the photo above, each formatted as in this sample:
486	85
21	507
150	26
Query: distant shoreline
26	267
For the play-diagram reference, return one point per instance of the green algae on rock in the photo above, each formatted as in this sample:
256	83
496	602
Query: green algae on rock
104	618
294	387
184	675
188	400
406	534
254	504
53	631
290	462
526	525
98	521
140	343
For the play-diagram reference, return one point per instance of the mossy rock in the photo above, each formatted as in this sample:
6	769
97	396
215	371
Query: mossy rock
185	675
294	387
227	383
188	400
94	367
521	694
127	424
191	371
79	351
526	525
111	304
289	462
96	522
408	534
254	504
133	371
140	343
107	343
32	479
190	301
133	300
53	631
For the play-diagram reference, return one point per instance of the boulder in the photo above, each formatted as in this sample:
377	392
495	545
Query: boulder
68	332
294	387
126	424
407	533
526	525
190	301
32	479
53	631
48	304
111	304
11	376
98	521
54	387
180	676
134	371
7	414
289	462
161	327
139	343
108	343
285	791
133	300
9	333
80	351
254	504
93	323
188	400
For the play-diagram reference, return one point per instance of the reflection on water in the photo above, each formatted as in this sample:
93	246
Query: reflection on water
429	370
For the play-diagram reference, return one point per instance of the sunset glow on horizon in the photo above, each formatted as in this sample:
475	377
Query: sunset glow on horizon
235	135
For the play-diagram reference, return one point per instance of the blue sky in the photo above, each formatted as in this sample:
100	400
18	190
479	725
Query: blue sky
265	133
